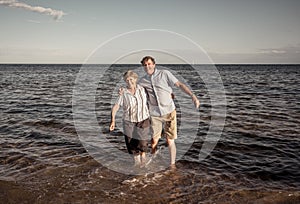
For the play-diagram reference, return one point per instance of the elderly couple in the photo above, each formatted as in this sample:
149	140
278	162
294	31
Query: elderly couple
149	103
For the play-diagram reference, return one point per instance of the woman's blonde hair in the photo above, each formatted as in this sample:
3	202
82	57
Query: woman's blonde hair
130	73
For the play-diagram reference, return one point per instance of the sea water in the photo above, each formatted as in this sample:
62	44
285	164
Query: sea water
256	158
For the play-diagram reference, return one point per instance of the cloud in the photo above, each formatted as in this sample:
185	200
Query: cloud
40	54
48	11
33	21
283	50
289	54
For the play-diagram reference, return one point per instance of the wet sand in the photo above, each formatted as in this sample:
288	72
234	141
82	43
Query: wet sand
91	183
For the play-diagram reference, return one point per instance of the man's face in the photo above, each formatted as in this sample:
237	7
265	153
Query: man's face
149	67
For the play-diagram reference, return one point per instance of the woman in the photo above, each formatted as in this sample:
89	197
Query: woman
136	123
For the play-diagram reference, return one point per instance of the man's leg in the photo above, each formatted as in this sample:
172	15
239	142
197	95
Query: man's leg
171	134
156	128
154	143
172	150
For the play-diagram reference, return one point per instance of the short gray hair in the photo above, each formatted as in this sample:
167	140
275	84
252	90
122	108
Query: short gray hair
130	73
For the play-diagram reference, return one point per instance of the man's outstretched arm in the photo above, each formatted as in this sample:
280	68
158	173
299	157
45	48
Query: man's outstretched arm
186	90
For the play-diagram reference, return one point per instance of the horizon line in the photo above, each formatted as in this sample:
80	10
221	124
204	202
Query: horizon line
141	65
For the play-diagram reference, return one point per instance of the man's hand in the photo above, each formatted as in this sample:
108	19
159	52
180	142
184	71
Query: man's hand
121	91
196	101
186	90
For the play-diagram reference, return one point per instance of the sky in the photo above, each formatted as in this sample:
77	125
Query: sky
228	31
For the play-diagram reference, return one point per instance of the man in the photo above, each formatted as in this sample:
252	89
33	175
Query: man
158	84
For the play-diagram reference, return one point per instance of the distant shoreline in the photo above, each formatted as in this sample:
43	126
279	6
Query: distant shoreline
220	64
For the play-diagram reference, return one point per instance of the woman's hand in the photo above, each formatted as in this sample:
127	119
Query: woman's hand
112	125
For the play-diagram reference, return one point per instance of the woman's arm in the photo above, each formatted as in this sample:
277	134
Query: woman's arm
114	110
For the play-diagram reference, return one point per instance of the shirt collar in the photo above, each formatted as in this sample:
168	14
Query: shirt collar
154	73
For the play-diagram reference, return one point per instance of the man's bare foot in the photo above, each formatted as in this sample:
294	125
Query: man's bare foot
172	167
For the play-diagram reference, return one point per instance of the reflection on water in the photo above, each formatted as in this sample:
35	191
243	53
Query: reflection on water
256	159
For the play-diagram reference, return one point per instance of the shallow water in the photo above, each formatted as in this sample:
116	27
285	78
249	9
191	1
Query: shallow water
256	159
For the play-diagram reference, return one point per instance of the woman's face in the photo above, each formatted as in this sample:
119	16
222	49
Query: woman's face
131	82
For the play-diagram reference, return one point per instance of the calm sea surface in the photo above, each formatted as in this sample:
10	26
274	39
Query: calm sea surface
256	160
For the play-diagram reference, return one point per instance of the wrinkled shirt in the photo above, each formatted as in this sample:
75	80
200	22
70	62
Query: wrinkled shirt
159	88
135	107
